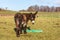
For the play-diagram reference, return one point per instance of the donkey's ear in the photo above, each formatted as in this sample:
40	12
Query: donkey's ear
36	12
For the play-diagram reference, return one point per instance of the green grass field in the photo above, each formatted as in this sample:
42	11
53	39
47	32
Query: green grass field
49	22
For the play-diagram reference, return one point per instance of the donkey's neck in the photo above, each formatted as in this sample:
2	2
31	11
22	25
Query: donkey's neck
28	17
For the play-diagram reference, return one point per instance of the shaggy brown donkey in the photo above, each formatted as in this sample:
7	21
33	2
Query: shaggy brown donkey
21	21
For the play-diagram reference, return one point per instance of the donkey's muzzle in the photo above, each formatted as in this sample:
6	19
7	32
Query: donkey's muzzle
33	22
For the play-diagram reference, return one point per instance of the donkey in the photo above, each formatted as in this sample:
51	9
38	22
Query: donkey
21	21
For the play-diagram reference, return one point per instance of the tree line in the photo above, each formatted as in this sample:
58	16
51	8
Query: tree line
43	8
39	8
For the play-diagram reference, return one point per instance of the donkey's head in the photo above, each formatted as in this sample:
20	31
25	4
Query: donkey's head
32	17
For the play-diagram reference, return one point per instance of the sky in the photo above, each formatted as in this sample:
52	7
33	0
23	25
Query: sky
24	4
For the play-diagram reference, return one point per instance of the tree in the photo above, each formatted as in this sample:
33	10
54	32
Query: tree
33	8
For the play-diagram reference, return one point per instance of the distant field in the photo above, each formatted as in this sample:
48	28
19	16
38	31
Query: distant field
7	12
49	22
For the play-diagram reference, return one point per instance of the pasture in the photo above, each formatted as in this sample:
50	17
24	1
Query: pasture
49	22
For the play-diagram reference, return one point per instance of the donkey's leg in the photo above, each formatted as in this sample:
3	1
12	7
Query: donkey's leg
24	28
21	29
17	29
17	33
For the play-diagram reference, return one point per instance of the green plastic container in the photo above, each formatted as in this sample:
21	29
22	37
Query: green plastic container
34	30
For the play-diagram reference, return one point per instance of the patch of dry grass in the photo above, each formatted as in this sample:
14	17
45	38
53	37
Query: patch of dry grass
48	23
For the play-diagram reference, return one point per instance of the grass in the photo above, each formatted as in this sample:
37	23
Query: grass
7	12
49	22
